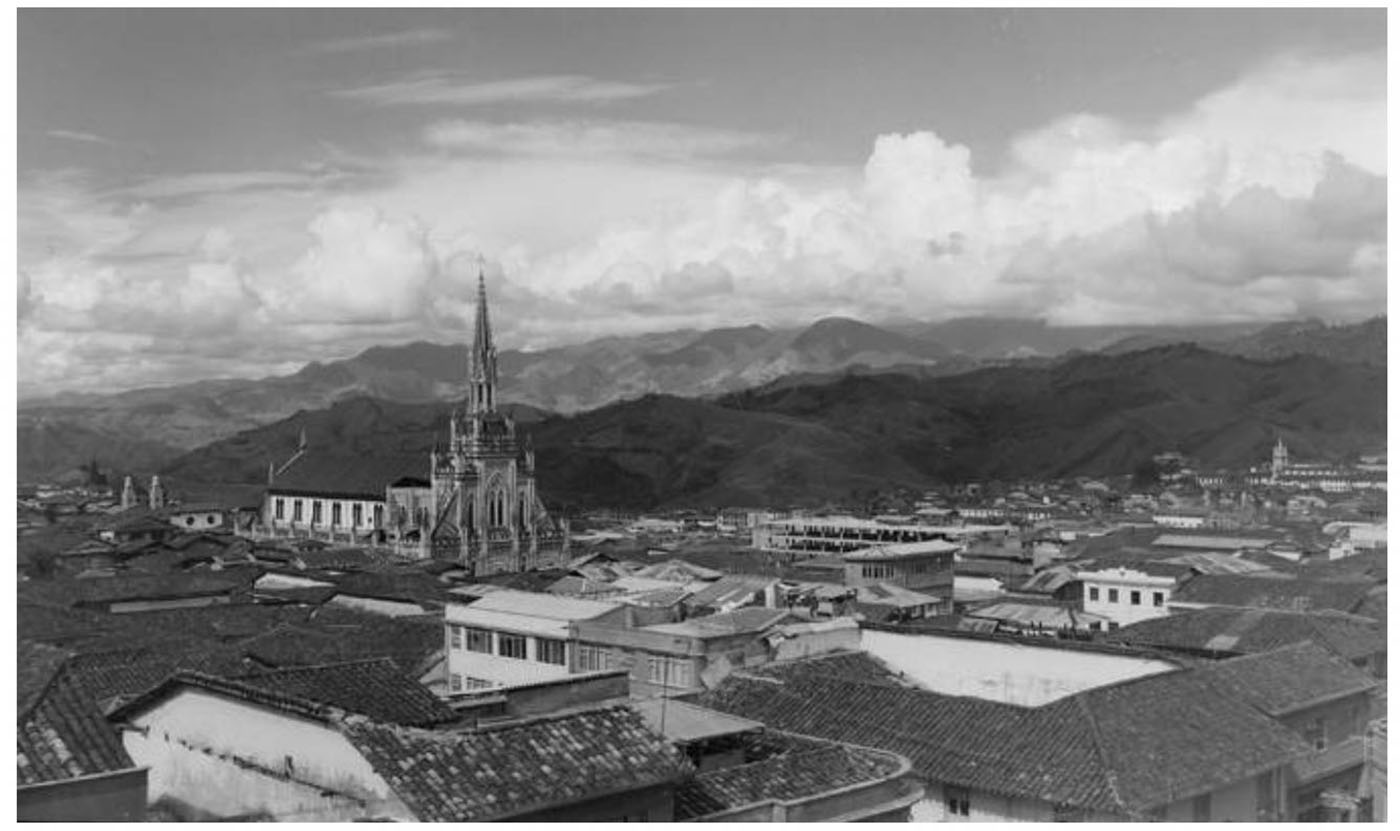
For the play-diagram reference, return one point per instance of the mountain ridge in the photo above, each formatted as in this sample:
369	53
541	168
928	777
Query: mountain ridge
1091	415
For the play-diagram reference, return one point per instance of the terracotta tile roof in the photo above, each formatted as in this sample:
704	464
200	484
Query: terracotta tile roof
39	664
61	734
226	686
1246	631
525	581
518	768
1123	749
789	776
1299	595
101	591
412	586
350	477
1290	678
373	687
333	635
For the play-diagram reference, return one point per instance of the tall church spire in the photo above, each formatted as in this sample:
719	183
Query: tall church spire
481	379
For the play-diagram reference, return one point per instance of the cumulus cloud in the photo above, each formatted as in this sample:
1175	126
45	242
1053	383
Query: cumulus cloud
363	268
1263	200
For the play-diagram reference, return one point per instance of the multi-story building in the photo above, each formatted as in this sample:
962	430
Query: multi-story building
839	534
925	566
508	637
1126	594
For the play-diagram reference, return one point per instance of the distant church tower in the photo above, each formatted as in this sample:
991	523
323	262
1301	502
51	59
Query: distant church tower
1280	462
157	494
128	494
486	514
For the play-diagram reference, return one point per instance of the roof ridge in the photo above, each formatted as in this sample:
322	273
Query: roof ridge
1110	775
50	683
379	659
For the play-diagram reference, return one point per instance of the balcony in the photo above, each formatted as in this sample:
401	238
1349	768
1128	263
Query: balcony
1338	757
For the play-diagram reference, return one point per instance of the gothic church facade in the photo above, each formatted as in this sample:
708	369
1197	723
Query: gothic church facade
484	509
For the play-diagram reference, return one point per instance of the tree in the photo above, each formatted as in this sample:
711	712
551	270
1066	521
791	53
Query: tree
1146	476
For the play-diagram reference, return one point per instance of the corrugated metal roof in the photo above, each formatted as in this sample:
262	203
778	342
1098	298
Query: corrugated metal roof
531	604
903	549
1210	543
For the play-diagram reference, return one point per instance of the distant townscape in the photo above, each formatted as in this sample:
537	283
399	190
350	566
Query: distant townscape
355	634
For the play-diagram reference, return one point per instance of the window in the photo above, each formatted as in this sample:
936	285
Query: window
1112	595
1135	598
1093	592
456	683
335	513
296	510
668	672
959	801
456	632
189	520
357	514
478	640
378	516
511	646
1266	795
211	519
279	508
549	651
1200	808
594	658
1315	733
1158	598
316	512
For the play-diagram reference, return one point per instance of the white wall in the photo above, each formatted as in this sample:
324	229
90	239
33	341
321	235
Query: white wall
378	606
1234	803
506	671
228	758
1123	612
1012	673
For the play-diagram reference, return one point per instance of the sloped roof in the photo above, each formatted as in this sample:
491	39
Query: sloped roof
61	733
517	768
72	592
122	674
336	635
1246	631
740	621
373	687
1216	562
413	586
1291	678
731	588
349	477
1298	594
1123	749
679	571
39	664
788	776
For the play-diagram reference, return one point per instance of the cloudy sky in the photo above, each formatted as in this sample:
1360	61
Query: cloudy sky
235	193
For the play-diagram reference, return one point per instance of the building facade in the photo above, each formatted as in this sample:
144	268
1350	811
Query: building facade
485	512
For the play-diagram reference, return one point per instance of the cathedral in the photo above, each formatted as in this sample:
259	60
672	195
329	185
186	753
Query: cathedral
483	510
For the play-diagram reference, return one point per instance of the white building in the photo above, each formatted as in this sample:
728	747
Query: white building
1128	594
508	638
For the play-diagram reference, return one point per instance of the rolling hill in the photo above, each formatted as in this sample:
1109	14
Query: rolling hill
807	444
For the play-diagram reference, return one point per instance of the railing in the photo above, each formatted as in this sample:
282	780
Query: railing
1345	754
